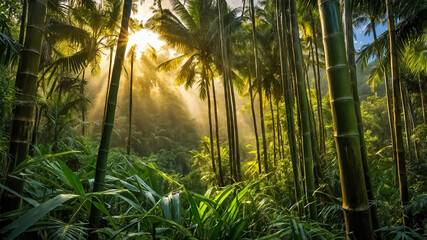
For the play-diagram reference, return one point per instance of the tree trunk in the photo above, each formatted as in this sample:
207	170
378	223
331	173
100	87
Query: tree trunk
255	126
274	130
212	151
411	120
353	80
221	177
23	22
108	83
82	92
355	199
289	103
305	117
318	91
389	103
401	166
313	135
227	96
236	132
422	99
279	131
130	101
258	80
101	163
25	97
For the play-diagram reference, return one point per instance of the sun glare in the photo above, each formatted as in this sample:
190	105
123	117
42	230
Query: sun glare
143	38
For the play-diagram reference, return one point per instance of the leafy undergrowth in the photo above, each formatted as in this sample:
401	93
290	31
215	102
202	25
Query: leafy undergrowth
142	202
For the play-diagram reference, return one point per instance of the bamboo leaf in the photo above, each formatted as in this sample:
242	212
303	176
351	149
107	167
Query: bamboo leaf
35	214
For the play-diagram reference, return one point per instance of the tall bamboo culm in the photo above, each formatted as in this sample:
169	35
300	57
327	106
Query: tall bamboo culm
304	112
355	199
101	162
348	19
261	112
397	102
287	94
25	98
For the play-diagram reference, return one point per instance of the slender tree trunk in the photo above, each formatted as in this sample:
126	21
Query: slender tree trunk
255	126
130	101
108	83
318	90
25	97
23	22
279	131
82	92
411	120
422	99
348	19
389	101
274	130
221	177
401	165
316	161
355	199
305	117
406	122
101	163
236	132
258	80
228	107
285	56
212	151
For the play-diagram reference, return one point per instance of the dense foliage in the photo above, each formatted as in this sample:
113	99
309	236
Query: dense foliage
202	145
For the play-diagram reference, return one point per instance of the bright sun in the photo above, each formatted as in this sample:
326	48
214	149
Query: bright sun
143	38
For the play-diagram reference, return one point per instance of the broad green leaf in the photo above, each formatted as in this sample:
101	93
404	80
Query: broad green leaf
28	200
176	202
35	214
71	179
102	208
193	207
165	204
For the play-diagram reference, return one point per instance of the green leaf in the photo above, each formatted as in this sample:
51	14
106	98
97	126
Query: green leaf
35	214
102	208
176	207
193	207
28	200
165	204
71	179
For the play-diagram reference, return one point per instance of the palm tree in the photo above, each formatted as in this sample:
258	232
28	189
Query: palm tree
101	163
194	35
190	36
355	199
23	114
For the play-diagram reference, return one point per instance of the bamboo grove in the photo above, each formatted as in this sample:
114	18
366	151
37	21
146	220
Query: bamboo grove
213	119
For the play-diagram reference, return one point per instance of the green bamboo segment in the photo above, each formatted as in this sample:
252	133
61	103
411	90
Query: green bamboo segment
304	111
355	199
287	93
353	78
397	102
25	98
101	163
